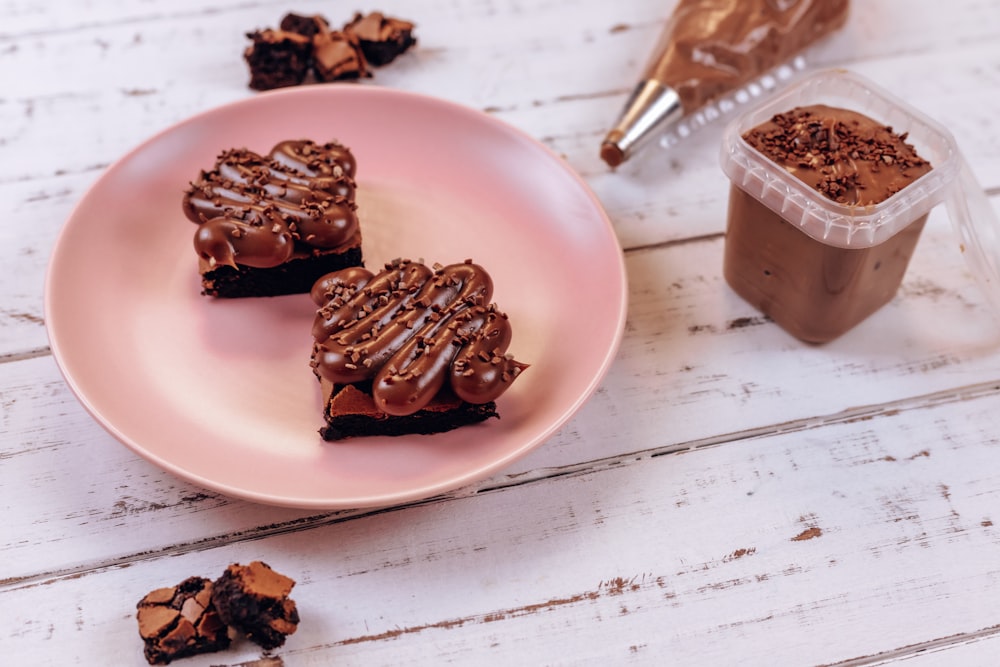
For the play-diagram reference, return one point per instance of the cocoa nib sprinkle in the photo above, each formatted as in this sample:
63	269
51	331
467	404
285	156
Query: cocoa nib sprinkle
848	160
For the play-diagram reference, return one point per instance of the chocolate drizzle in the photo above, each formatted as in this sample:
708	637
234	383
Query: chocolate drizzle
412	329
257	211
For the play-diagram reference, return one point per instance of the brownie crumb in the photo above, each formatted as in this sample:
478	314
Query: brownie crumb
180	621
381	38
277	58
337	57
307	26
254	600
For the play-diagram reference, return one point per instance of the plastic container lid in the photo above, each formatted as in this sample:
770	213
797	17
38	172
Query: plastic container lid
950	181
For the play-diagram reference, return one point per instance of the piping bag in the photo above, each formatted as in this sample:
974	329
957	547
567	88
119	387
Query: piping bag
709	48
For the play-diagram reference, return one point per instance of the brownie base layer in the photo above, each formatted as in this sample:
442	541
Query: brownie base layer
295	276
350	412
254	599
277	60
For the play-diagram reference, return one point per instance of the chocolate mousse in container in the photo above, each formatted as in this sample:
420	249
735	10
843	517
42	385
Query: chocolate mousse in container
831	184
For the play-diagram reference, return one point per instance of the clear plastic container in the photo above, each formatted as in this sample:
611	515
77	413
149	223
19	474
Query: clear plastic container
817	267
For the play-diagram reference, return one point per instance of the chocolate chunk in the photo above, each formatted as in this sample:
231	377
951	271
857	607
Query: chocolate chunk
277	58
254	600
380	37
337	57
180	621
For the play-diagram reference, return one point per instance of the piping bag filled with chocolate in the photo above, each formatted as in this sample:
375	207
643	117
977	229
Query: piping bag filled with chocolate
709	48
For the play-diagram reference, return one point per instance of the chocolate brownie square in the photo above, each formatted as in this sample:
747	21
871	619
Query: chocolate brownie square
254	600
277	58
180	621
272	224
409	349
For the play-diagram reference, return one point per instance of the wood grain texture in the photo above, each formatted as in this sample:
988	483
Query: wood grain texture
851	522
728	494
680	381
664	196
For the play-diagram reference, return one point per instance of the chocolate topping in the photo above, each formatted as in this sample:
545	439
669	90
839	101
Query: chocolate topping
710	47
843	154
410	329
258	210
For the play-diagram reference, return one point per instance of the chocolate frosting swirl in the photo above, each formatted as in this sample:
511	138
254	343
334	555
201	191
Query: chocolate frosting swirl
259	210
410	329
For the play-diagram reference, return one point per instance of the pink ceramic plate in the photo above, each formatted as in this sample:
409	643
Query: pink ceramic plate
220	392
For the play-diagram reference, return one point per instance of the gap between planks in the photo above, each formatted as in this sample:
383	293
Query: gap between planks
27	354
899	654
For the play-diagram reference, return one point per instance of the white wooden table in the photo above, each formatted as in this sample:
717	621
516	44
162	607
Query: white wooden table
728	496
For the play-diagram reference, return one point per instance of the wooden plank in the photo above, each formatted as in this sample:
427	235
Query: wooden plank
47	203
568	109
36	210
690	204
571	124
805	536
449	63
